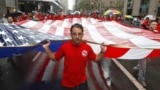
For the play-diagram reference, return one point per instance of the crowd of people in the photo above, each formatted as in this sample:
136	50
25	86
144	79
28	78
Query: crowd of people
39	16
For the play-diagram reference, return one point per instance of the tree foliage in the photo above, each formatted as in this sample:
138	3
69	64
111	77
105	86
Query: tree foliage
84	5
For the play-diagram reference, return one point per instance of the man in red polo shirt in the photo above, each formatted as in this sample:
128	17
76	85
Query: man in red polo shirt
76	53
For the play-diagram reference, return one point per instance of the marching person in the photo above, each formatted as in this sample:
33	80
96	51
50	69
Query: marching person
4	18
158	24
153	26
75	52
145	23
140	69
10	20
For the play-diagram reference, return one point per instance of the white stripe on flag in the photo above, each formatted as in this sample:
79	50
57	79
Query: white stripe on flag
56	22
128	29
96	48
75	20
84	22
29	24
48	22
114	30
143	42
65	23
96	36
45	28
136	54
59	31
93	21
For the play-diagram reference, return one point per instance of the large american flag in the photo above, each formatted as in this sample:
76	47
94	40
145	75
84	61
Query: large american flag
15	39
122	42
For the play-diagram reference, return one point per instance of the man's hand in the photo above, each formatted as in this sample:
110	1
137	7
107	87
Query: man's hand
46	43
103	48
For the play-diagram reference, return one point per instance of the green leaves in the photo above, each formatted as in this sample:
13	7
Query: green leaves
84	5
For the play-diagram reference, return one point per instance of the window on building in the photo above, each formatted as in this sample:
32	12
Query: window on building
111	3
144	7
129	7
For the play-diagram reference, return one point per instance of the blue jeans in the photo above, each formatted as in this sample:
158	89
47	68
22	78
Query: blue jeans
82	86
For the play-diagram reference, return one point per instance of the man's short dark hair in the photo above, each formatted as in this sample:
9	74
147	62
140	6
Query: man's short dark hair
77	25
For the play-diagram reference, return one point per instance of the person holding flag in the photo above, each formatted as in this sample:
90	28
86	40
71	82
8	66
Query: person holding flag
76	52
140	69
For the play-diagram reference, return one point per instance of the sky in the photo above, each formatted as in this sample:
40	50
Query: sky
70	4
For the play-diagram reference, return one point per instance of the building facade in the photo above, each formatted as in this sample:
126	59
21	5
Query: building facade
40	5
142	7
64	5
8	6
128	7
103	5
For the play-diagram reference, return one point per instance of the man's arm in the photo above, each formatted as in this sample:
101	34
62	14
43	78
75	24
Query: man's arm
101	54
50	54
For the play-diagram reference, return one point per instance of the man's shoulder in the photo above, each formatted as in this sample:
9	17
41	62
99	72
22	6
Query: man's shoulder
86	45
66	43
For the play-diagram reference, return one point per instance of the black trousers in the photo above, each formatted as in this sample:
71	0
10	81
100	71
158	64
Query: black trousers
82	86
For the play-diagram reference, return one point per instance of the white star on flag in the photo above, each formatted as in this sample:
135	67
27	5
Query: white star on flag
15	31
20	37
8	40
2	32
37	41
1	44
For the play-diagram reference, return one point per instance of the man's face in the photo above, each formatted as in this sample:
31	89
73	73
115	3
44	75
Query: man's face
153	26
76	35
10	19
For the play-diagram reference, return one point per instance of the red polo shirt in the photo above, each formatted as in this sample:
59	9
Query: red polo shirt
75	56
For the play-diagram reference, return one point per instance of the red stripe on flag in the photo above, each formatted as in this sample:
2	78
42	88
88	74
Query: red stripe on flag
114	52
55	70
34	67
86	35
41	70
21	22
155	53
66	32
38	26
92	75
52	30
